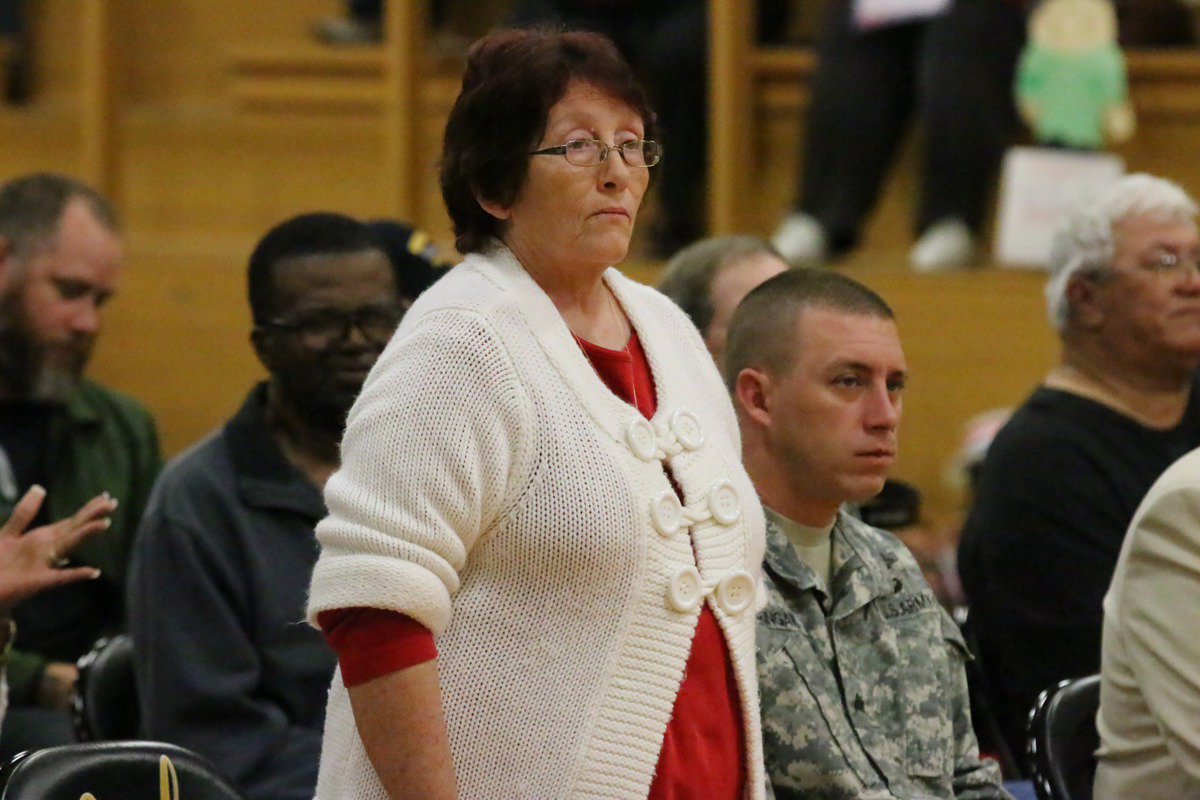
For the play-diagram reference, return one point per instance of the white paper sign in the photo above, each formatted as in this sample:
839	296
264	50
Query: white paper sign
1039	186
877	13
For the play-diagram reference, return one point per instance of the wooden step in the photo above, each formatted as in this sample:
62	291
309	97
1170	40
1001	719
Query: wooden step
332	79
299	59
307	77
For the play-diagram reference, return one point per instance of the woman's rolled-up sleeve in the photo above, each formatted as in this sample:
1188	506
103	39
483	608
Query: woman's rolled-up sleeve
436	452
373	642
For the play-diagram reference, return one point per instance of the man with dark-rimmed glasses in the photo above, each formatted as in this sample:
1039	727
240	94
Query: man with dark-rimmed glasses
222	562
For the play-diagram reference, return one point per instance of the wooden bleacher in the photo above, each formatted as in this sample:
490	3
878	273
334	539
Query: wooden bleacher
210	120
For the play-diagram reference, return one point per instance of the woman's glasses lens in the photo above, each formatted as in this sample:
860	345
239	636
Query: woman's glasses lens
591	153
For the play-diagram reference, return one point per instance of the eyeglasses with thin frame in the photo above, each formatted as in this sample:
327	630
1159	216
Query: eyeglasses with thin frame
326	326
593	153
1169	262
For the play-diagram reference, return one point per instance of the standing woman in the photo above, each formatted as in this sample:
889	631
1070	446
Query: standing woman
540	565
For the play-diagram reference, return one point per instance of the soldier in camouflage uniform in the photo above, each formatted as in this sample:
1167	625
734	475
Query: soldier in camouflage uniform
860	670
870	699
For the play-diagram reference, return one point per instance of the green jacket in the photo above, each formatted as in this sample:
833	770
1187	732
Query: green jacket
100	441
869	700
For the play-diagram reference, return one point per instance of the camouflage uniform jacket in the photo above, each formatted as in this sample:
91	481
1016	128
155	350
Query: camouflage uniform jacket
869	701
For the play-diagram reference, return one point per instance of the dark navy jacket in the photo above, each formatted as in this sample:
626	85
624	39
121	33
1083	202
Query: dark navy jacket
226	664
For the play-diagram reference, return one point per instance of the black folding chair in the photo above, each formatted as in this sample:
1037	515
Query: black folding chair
109	771
983	714
105	706
1063	740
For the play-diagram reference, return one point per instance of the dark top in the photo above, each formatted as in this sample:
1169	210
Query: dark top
1058	489
862	687
226	664
24	444
97	440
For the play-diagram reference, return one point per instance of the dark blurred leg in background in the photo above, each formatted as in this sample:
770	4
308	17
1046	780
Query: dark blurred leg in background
363	22
968	60
670	50
15	55
862	101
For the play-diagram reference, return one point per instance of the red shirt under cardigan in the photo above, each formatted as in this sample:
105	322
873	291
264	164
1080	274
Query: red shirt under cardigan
703	750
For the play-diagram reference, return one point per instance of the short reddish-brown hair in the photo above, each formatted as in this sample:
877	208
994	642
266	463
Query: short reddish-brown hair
512	80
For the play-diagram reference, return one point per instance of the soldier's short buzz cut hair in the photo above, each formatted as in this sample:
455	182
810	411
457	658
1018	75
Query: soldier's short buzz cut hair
31	208
762	333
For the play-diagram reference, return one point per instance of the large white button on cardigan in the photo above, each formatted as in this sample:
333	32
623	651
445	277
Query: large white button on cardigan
496	491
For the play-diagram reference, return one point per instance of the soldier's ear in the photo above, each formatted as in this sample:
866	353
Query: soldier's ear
750	394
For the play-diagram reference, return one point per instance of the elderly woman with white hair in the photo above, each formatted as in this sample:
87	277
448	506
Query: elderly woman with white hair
1064	476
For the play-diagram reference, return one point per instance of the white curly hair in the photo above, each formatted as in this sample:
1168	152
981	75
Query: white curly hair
1083	242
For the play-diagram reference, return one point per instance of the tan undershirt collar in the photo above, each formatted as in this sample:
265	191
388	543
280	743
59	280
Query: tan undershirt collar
813	546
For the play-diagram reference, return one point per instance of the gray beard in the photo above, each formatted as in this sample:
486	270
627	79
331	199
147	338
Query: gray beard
24	373
54	385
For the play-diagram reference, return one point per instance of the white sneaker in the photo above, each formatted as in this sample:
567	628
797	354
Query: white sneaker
347	30
946	244
800	239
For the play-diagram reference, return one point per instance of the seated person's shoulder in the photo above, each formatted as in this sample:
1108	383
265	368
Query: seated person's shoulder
1046	417
115	407
199	481
1044	444
206	460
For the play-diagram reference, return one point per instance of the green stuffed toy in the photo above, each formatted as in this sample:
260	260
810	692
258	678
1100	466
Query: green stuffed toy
1071	86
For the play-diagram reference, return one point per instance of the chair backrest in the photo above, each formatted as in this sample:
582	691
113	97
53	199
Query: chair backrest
1063	740
109	771
981	692
105	704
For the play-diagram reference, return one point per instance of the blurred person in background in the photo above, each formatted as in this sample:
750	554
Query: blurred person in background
60	263
15	52
1063	477
708	278
954	73
34	560
226	546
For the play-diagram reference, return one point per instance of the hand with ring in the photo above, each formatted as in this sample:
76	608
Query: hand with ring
31	561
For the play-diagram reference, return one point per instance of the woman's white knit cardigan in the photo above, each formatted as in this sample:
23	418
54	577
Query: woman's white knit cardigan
496	491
